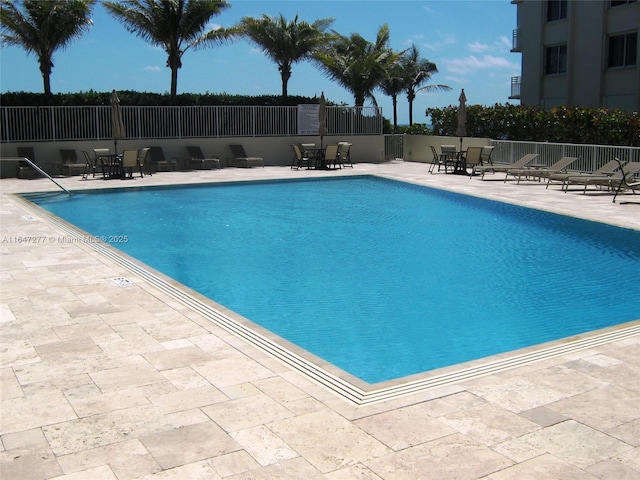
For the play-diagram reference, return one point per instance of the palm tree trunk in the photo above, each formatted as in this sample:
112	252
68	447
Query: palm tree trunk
46	79
394	99
174	82
45	68
410	112
285	82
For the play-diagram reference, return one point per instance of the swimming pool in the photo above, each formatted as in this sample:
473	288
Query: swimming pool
381	278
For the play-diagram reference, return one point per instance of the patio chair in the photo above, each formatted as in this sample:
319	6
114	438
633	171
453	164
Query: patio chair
472	159
88	165
629	180
200	162
70	164
344	150
533	173
449	156
607	169
487	151
158	162
144	159
241	159
129	163
505	167
102	158
302	157
436	159
332	157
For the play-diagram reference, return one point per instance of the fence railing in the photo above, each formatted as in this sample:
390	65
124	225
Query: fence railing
52	124
590	157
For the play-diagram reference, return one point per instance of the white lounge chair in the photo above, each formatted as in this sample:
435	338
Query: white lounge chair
241	159
505	167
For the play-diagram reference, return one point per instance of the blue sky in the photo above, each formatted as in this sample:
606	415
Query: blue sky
469	41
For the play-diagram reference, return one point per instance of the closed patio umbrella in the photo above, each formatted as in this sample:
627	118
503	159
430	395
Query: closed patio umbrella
461	129
322	118
117	124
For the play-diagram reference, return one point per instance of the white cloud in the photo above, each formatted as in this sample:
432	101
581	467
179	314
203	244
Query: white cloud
506	42
445	39
478	47
472	63
151	68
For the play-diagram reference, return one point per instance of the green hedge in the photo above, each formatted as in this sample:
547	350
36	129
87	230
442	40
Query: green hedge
598	126
132	98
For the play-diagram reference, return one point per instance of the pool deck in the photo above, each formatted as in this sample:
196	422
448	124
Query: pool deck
101	380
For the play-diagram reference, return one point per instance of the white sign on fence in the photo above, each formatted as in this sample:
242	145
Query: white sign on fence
308	123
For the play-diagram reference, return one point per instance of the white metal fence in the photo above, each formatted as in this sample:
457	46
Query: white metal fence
52	124
590	157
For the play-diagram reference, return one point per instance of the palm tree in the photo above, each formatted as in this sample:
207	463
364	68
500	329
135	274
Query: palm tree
393	85
44	27
285	42
418	71
359	65
174	25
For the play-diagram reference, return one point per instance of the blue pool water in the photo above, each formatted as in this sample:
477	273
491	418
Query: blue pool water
381	278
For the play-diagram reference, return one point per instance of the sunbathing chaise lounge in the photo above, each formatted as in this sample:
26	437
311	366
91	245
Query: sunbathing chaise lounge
629	180
607	169
241	159
538	173
200	162
506	167
607	181
70	164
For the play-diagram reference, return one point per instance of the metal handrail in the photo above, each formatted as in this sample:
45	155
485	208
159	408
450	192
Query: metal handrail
36	167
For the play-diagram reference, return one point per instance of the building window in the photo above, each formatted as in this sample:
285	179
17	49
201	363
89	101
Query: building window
623	50
556	10
617	3
556	59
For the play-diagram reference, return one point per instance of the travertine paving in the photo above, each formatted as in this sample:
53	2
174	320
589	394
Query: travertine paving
100	381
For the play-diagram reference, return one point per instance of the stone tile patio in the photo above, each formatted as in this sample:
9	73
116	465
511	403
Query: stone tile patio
103	382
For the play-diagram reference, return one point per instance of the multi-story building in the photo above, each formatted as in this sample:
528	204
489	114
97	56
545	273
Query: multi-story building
578	53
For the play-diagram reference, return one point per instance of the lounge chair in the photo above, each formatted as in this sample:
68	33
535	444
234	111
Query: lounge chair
607	169
241	159
538	173
472	159
437	159
129	163
606	180
629	180
70	164
200	162
344	150
302	157
505	167
158	162
24	170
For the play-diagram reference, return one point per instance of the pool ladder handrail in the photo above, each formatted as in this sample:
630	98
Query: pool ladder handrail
36	167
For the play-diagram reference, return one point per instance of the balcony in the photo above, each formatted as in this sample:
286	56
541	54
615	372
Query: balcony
516	82
516	41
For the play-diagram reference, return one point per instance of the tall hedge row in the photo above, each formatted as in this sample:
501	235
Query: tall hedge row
132	98
563	125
